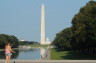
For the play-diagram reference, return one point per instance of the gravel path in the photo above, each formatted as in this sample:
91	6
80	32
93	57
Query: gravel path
47	55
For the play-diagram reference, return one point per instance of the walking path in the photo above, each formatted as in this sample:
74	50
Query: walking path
47	55
51	61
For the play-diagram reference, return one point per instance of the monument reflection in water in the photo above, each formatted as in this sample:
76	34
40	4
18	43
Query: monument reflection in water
26	54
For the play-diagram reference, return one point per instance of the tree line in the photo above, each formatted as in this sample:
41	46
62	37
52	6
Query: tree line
13	40
27	42
81	36
8	38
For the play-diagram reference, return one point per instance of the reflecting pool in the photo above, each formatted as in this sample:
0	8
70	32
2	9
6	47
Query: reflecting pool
26	54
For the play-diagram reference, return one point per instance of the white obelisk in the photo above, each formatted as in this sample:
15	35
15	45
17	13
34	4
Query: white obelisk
42	25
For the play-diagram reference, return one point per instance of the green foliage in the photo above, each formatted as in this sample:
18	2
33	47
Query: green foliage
84	27
82	35
27	42
8	38
62	39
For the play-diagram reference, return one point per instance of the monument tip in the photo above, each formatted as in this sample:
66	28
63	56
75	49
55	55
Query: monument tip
42	5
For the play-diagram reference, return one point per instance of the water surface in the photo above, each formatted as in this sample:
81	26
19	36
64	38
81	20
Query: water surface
25	54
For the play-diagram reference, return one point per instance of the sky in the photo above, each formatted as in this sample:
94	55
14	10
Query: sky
22	18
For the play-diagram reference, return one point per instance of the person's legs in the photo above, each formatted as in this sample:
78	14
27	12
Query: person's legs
6	61
9	57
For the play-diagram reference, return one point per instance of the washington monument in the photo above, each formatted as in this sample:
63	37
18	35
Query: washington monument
43	41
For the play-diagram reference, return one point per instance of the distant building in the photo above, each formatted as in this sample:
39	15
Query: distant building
22	40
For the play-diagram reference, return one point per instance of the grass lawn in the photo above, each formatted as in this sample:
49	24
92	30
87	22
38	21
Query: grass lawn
39	45
69	55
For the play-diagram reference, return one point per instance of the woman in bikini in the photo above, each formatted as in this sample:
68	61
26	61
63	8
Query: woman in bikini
8	52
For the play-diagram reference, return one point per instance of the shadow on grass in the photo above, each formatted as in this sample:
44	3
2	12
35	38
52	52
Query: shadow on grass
58	50
72	55
78	56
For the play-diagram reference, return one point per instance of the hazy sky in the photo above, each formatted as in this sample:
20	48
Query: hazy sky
22	17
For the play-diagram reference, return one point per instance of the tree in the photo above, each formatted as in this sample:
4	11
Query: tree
84	29
62	39
82	35
8	38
